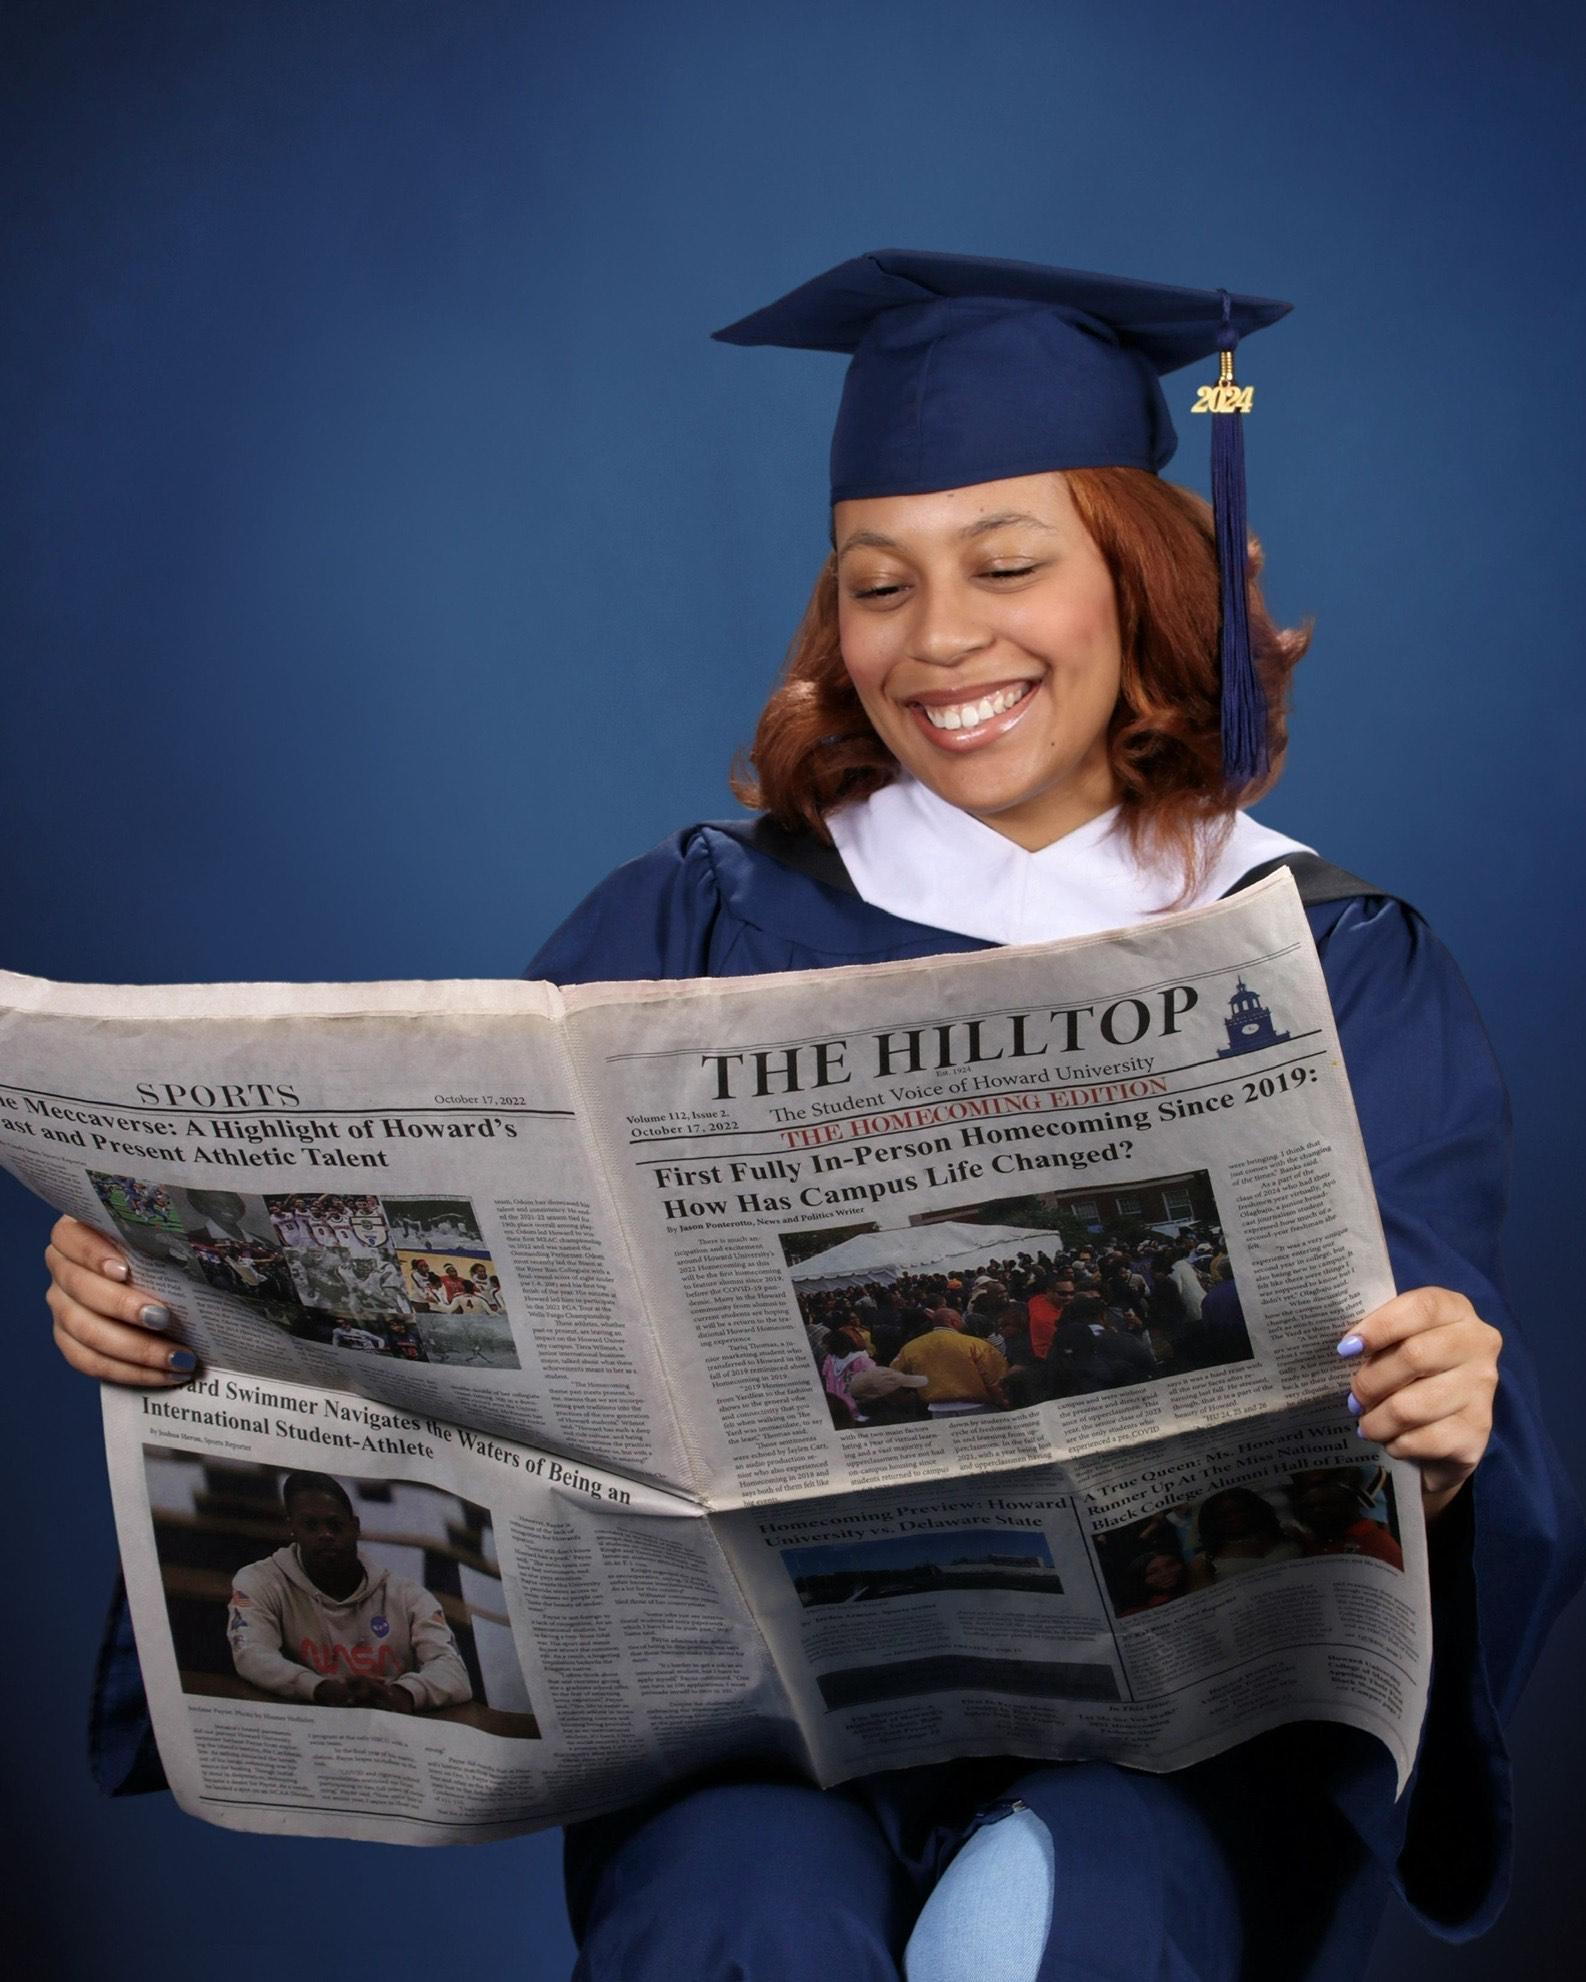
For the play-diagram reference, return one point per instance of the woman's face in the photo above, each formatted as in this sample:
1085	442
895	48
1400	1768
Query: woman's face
1234	1515
980	629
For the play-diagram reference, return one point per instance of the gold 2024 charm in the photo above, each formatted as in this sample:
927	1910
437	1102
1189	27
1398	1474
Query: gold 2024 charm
1226	396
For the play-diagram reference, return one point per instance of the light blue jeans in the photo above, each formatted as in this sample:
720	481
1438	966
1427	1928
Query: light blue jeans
968	1931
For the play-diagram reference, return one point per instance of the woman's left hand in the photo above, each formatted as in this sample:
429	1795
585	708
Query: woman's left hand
1424	1372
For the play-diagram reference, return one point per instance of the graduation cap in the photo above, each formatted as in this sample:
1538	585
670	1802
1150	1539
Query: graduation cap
966	370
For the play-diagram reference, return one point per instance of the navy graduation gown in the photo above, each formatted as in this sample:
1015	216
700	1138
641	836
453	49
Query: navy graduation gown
1507	1554
1511	1549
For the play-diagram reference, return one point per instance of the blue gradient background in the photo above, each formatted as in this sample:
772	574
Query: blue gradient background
387	553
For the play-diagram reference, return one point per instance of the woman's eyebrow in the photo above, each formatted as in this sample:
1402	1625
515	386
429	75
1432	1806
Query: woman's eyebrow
873	539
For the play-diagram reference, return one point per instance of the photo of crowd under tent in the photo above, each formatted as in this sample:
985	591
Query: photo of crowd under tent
1008	1303
330	1591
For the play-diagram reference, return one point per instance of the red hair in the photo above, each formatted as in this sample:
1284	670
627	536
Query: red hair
814	748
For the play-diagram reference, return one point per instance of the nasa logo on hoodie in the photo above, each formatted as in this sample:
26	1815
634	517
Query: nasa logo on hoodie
380	1626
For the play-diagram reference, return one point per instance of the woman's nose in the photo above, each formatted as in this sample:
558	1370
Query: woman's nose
946	635
946	628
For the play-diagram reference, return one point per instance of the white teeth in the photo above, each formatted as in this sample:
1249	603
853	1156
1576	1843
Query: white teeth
968	714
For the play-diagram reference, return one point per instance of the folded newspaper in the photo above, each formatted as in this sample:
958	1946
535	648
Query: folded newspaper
598	1386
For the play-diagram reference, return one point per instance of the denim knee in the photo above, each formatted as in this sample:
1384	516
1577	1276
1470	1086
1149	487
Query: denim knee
743	1882
991	1912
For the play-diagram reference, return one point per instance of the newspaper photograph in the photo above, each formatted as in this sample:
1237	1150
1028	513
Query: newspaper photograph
847	1370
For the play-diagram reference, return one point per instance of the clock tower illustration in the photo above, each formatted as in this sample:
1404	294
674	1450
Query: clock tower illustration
1249	1024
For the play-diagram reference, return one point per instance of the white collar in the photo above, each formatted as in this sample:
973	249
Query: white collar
913	854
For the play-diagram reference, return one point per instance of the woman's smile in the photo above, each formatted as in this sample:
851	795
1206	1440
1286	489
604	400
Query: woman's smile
957	719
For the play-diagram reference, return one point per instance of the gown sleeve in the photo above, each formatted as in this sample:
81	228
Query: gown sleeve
652	917
1510	1550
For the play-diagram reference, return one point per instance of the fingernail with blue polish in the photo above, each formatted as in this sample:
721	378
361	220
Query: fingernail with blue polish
182	1360
154	1316
1351	1346
1354	1404
1360	1431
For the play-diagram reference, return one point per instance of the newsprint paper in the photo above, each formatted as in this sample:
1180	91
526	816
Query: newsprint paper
659	1375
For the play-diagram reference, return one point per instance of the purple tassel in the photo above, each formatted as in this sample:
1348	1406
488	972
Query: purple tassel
1244	706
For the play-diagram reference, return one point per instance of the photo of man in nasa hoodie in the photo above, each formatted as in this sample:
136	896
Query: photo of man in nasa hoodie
315	1622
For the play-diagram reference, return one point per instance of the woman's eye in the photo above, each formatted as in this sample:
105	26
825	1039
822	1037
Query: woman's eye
891	588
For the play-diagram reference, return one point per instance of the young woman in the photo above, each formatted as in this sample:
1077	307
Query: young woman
1033	688
849	1354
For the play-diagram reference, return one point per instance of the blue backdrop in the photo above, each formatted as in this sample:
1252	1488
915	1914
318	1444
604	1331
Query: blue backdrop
387	553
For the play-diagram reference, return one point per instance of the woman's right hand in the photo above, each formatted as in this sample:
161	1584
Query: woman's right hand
103	1325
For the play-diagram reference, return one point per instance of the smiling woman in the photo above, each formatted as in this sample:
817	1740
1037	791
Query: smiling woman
1100	586
1032	692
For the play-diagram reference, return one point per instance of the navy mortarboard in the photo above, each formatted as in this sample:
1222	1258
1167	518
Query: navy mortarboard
966	370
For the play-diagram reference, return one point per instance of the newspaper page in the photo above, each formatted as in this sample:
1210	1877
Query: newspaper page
432	1636
792	1154
671	1322
1150	1607
380	1188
